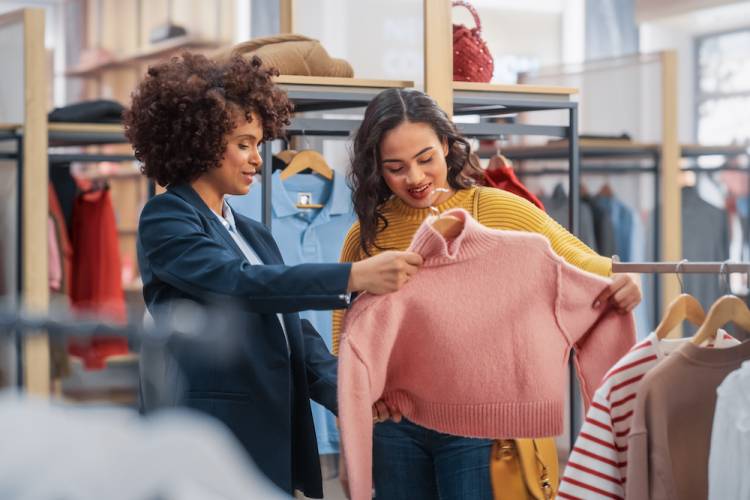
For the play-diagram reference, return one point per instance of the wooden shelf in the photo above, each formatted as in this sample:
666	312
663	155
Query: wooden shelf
155	51
93	70
329	81
158	50
81	128
513	89
10	127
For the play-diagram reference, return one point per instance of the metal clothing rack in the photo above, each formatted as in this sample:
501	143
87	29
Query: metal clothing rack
318	94
614	150
682	267
64	135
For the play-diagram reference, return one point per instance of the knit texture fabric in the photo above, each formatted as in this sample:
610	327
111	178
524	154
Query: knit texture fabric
495	209
476	344
598	461
291	54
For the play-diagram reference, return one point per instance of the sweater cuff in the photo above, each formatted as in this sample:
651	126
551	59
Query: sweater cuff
599	265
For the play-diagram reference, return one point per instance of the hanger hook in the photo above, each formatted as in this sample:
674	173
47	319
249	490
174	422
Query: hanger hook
677	271
724	273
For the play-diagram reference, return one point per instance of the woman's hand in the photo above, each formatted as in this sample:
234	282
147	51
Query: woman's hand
381	412
624	293
384	273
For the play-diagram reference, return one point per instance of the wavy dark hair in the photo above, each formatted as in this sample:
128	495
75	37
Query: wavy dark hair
386	111
184	108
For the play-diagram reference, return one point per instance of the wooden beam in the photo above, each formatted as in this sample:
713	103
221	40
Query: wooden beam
286	16
671	196
35	284
438	47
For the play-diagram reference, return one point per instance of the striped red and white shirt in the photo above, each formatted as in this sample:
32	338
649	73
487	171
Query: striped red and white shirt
598	462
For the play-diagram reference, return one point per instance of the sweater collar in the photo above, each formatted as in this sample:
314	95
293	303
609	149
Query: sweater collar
404	210
473	240
706	356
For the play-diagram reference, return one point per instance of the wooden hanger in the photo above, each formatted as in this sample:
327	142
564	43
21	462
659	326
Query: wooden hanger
302	160
499	160
606	190
307	159
684	307
447	225
728	309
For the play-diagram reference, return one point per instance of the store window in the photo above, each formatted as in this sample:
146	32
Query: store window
723	88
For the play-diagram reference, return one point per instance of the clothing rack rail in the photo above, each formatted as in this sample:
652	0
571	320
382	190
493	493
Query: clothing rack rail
681	267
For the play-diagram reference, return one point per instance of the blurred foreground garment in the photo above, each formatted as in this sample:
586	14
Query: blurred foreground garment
53	451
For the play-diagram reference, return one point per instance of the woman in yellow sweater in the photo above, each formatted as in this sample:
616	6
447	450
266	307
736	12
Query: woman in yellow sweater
408	156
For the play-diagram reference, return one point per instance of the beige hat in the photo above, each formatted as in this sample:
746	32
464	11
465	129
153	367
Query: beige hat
292	55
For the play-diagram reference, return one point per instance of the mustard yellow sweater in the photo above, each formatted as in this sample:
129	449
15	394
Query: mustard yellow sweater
495	209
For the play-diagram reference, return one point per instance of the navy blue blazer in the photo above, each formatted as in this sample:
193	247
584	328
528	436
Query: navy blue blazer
262	394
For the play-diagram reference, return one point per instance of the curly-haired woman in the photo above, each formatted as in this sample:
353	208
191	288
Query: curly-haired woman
407	157
196	125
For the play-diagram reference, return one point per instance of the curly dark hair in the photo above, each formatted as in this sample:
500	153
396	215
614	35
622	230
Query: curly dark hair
184	108
386	111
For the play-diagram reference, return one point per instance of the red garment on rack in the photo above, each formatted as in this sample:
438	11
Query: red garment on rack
97	283
63	240
503	177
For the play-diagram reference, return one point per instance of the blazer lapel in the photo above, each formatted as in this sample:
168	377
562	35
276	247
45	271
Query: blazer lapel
187	193
267	254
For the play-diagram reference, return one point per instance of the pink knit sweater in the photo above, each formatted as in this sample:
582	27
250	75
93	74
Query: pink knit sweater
476	344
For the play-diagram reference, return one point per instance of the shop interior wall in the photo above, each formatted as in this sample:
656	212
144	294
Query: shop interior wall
679	33
655	9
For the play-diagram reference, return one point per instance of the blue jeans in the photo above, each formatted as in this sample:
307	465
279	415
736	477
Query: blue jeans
414	463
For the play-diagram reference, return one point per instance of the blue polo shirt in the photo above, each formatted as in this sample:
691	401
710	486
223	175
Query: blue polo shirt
307	236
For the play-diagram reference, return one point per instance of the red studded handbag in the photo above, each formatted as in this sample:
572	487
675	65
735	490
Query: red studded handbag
472	61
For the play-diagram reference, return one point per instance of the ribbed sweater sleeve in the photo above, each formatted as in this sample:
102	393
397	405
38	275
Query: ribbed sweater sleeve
499	209
355	411
597	349
367	341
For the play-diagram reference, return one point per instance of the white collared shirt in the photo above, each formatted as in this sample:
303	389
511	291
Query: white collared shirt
227	220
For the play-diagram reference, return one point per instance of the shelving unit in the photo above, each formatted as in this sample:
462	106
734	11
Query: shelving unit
497	100
24	101
57	135
318	94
